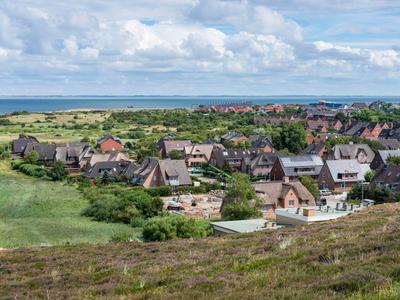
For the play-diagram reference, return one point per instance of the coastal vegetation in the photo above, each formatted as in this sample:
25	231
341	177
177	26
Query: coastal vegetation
355	257
36	212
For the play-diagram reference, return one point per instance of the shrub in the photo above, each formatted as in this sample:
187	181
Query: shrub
120	206
30	170
170	227
121	237
31	157
57	171
161	191
240	211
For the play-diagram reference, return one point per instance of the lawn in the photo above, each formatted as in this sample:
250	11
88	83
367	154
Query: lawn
36	212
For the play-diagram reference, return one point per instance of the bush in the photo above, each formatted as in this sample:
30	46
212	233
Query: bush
31	157
240	211
119	206
161	191
57	171
30	170
170	227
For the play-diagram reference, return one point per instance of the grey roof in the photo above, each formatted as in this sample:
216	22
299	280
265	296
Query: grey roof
352	150
390	176
390	144
70	153
356	128
344	166
259	141
384	154
19	145
263	159
291	163
143	170
313	149
113	168
180	145
360	105
241	226
47	152
169	167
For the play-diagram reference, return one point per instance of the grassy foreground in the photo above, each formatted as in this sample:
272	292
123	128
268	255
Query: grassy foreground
356	257
38	212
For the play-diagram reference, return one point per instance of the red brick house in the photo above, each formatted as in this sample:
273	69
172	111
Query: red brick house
282	194
109	143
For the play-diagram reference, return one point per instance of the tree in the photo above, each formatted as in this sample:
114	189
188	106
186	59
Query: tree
175	154
31	157
369	175
240	199
240	189
57	171
293	137
341	117
393	160
311	185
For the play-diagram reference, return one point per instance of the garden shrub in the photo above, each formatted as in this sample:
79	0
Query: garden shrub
169	227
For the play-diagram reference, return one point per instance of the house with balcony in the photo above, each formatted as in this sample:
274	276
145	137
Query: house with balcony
196	155
341	175
296	166
361	152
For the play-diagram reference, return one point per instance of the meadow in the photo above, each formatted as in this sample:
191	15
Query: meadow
36	212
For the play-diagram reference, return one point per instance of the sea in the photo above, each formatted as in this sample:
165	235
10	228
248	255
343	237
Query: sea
64	103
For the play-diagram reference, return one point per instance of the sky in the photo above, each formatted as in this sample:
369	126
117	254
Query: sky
200	47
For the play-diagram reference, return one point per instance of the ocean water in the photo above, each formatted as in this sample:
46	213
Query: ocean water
61	103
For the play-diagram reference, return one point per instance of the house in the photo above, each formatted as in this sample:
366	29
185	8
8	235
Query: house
377	105
362	152
389	144
340	175
104	157
391	133
262	164
264	143
323	137
233	158
282	194
316	149
387	178
167	137
381	156
109	143
233	137
47	152
323	126
18	146
74	156
359	105
153	173
112	168
196	155
356	129
170	145
295	166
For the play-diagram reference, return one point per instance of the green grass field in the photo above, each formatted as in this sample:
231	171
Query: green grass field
36	212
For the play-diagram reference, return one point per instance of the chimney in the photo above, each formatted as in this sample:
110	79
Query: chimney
286	179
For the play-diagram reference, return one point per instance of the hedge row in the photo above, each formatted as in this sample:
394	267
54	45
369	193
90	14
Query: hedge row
28	169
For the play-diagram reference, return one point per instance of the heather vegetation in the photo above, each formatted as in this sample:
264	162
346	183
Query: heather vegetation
355	257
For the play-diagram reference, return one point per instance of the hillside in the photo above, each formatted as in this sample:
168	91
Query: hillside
353	257
38	212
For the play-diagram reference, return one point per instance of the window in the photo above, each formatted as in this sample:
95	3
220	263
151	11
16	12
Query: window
291	202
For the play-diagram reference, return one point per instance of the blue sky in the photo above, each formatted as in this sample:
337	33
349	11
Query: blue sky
199	47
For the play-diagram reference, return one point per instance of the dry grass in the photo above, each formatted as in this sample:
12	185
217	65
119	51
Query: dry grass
354	257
